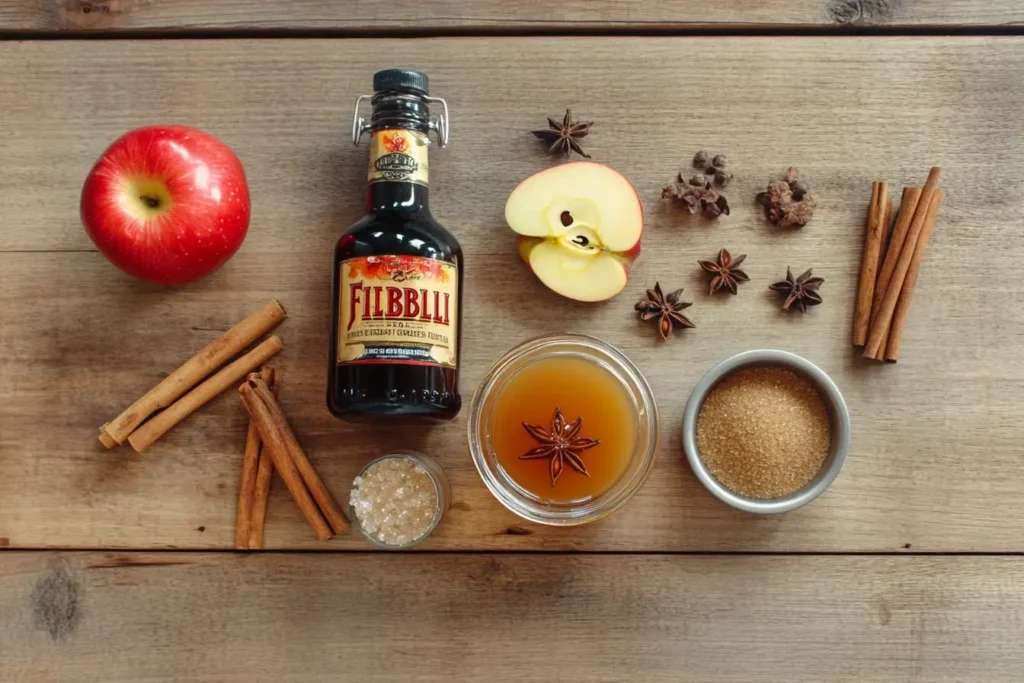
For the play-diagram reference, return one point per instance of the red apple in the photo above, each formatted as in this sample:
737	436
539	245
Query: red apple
579	226
167	204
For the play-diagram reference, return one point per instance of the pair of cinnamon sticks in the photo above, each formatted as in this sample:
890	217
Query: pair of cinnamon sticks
257	473
271	445
891	264
169	397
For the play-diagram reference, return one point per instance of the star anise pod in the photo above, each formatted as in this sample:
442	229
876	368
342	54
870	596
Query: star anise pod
563	136
667	309
726	271
802	291
562	444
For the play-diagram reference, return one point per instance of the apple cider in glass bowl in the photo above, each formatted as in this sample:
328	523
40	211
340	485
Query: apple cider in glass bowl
563	429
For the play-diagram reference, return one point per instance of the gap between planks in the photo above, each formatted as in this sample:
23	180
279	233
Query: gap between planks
579	30
508	553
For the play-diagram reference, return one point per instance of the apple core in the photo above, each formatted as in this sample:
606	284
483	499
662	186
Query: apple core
146	198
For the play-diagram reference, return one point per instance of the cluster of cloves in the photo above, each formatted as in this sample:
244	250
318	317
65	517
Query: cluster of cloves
712	167
696	192
787	202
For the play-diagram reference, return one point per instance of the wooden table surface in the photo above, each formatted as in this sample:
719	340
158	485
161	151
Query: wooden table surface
118	567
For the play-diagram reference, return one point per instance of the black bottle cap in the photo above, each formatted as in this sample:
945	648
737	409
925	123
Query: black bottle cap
401	79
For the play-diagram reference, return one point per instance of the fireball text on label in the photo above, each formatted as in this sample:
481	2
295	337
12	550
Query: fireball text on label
397	303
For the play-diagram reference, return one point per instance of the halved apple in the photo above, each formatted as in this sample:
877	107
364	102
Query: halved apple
579	227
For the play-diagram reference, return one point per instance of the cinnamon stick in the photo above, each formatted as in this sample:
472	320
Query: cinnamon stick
211	357
908	205
869	262
144	437
899	320
886	234
247	483
261	493
264	477
880	327
274	444
247	487
316	486
106	439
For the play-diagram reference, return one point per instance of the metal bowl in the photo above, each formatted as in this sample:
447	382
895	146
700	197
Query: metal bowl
838	416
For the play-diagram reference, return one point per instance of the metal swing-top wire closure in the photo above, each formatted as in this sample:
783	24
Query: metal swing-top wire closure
438	124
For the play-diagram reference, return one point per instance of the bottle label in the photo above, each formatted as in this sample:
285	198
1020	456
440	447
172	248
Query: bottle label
398	155
399	310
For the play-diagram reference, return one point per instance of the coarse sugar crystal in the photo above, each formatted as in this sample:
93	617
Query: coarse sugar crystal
395	501
764	432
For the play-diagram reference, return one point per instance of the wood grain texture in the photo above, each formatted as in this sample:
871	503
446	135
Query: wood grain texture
508	618
425	15
937	461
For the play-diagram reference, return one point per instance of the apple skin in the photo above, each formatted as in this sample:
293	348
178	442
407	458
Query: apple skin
634	253
167	204
578	227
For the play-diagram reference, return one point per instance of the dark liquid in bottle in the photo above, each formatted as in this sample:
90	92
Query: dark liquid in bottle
396	324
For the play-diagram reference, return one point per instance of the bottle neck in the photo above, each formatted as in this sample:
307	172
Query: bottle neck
398	172
397	196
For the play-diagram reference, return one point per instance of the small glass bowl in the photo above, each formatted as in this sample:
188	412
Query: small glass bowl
441	487
573	512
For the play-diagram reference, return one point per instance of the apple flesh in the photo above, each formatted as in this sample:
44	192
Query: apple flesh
579	227
167	204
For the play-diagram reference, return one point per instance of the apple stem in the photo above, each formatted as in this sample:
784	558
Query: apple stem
151	202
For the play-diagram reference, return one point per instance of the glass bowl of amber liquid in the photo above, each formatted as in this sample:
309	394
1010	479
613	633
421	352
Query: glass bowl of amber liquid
563	429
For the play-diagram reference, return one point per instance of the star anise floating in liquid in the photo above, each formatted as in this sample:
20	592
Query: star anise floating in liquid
563	137
666	308
800	292
562	444
726	272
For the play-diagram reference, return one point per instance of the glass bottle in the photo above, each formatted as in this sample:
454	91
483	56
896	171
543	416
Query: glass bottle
397	280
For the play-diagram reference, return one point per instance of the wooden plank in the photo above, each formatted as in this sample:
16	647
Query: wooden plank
227	618
937	450
426	15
